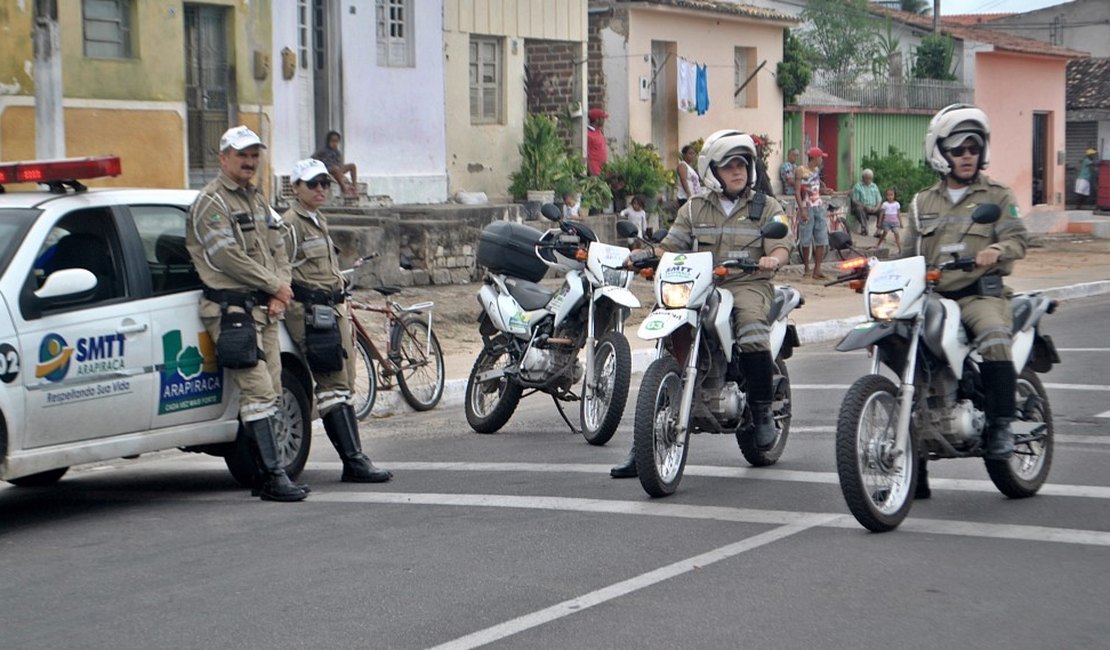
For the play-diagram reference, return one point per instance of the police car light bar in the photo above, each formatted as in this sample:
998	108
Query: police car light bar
59	171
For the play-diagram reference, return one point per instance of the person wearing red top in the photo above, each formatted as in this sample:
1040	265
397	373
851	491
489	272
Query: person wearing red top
597	149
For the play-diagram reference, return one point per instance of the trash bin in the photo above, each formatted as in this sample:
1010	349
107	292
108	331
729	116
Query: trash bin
1102	198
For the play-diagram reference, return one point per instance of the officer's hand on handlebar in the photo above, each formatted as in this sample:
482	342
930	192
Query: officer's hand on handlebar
768	263
640	255
987	257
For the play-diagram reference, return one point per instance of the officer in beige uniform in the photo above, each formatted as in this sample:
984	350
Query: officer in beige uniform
957	145
235	243
727	220
319	320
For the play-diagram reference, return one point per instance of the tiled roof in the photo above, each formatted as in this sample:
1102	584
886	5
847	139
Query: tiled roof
723	7
970	20
1089	83
1000	40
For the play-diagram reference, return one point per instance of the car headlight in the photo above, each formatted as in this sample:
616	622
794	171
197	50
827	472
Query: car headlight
885	306
676	294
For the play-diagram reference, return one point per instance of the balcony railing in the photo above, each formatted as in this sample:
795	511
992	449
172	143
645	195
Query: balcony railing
929	94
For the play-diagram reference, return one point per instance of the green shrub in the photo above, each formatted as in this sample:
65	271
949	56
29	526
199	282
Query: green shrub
906	176
543	157
640	171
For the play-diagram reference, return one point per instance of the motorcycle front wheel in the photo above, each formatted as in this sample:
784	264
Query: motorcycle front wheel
490	401
782	410
1027	470
876	479
603	401
660	451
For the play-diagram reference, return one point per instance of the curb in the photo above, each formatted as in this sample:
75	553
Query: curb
454	390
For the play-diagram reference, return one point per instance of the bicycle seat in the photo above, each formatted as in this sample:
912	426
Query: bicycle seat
387	291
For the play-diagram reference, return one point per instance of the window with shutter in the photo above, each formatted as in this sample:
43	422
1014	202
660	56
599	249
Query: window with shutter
394	33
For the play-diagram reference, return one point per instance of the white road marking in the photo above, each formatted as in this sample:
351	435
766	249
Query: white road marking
1088	387
616	590
1083	349
1103	415
714	471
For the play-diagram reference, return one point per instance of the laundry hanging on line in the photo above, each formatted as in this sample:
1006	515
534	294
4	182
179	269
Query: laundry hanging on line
693	87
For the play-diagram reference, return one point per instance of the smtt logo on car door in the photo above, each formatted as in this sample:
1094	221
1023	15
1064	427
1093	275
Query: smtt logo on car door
54	356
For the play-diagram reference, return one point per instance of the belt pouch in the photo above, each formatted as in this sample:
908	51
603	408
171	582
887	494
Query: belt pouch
990	285
237	347
323	344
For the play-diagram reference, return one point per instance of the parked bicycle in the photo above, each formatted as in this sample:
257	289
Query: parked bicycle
413	357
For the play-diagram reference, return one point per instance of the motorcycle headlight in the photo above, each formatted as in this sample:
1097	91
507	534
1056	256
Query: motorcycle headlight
884	306
614	277
676	294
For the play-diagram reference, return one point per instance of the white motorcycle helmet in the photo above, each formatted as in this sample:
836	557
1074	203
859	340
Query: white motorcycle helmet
954	123
719	148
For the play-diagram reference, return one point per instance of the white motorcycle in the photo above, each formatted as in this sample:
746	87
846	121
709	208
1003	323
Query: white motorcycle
532	335
938	409
695	383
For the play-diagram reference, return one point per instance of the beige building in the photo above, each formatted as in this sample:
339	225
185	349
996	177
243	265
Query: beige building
503	59
637	49
155	82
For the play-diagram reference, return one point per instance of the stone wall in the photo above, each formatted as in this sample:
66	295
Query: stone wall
438	243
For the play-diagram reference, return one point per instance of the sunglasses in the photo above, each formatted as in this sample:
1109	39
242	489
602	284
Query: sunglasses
313	184
971	149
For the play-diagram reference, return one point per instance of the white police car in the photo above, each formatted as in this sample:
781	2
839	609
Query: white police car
102	352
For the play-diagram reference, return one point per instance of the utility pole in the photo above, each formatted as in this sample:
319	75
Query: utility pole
936	16
50	128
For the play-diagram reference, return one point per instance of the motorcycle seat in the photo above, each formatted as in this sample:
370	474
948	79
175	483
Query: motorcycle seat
530	295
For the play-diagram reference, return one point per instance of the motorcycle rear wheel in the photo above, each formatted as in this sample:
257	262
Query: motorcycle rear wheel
489	404
877	481
603	403
745	436
660	452
1023	474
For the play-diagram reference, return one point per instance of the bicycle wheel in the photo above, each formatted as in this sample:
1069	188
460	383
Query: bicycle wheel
364	388
415	349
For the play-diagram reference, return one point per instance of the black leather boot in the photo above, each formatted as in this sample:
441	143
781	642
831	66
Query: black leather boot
626	469
999	388
342	427
922	491
759	374
275	483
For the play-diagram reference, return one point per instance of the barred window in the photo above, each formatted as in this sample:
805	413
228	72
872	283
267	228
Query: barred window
395	42
485	80
107	28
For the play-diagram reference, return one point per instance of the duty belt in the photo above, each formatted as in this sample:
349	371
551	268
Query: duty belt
245	299
317	296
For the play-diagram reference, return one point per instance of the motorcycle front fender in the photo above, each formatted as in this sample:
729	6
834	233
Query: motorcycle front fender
871	332
662	322
619	295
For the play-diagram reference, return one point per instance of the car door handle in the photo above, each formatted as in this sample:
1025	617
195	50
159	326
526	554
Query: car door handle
133	328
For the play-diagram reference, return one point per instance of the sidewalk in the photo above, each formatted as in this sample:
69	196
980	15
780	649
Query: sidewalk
1065	270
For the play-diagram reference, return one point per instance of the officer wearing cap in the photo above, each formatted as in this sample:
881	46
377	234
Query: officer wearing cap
235	242
727	220
957	146
318	319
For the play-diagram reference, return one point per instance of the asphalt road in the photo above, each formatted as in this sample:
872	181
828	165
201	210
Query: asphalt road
520	539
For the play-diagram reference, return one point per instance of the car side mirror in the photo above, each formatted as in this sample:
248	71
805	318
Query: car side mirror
67	285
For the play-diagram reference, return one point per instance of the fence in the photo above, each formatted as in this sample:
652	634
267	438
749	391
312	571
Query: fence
925	94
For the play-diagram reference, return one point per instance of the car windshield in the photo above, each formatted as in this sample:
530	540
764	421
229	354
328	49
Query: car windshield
13	225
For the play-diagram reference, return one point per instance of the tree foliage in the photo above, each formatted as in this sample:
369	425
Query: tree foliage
794	72
842	34
919	7
933	58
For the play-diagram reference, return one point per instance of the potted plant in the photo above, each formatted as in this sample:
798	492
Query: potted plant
543	161
593	192
640	171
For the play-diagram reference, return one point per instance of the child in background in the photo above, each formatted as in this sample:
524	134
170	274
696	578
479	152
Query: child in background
892	219
636	214
570	205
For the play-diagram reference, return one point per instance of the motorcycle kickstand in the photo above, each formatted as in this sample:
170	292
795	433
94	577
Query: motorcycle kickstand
559	406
